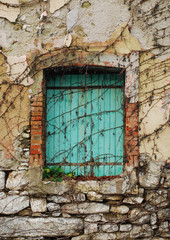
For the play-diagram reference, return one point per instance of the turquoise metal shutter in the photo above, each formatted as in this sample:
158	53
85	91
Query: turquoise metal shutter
84	123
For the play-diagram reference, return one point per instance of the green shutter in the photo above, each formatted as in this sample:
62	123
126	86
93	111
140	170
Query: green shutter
85	123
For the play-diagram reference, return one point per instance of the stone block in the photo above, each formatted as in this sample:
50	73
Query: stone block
113	198
153	219
104	236
13	204
90	228
80	197
2	180
82	237
93	218
109	187
141	231
157	197
38	204
37	227
125	227
59	199
164	227
87	186
17	180
93	196
53	207
123	235
110	227
133	200
119	209
85	208
139	217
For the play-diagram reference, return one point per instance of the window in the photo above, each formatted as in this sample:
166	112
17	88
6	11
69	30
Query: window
84	122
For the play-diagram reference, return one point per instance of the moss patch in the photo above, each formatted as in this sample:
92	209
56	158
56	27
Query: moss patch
86	4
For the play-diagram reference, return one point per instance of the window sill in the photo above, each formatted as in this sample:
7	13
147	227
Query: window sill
121	185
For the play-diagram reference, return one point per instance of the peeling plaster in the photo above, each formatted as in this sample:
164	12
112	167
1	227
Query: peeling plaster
57	4
10	13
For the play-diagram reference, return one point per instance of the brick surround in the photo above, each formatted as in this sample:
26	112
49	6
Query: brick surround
37	151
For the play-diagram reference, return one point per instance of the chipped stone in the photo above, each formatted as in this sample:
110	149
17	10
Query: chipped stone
38	204
13	204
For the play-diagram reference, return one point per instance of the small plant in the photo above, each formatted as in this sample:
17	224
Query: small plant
55	173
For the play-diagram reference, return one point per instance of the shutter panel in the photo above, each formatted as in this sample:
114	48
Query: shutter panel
85	123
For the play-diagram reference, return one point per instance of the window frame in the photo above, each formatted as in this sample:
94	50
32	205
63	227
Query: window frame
86	70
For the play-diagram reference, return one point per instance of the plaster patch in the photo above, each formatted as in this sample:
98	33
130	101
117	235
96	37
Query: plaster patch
56	5
10	13
72	17
17	66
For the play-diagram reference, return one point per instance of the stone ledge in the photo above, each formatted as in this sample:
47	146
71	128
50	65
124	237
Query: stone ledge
114	186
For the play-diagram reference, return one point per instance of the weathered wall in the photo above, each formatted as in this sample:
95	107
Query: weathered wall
133	35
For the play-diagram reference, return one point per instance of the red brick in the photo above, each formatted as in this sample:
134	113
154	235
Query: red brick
34	127
34	113
33	142
38	118
37	109
35	151
36	104
36	123
36	132
35	147
36	137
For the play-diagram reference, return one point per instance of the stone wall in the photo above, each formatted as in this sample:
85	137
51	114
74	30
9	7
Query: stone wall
39	35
